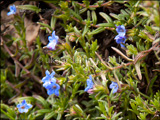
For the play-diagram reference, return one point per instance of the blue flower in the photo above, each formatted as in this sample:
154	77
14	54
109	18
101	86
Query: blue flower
53	88
89	84
48	78
114	86
12	10
23	107
120	39
121	30
53	40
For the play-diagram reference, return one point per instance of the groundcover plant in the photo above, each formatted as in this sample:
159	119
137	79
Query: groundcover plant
80	60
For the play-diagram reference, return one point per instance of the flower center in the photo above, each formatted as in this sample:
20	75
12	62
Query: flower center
23	107
54	87
121	30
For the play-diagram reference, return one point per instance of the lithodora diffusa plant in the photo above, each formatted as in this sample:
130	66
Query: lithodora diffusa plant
105	61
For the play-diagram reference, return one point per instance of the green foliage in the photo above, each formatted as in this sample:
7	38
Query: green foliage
29	7
81	52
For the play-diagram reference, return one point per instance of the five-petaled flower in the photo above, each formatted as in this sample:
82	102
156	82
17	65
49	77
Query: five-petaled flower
114	86
53	88
48	78
121	30
53	40
23	107
89	84
12	10
120	38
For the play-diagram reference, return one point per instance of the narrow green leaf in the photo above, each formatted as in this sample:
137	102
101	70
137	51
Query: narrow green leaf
45	25
42	100
106	17
53	22
50	115
10	117
30	7
106	25
82	10
94	17
96	31
114	15
75	14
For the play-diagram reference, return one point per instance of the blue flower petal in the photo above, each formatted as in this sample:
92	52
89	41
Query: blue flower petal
9	13
25	110
53	33
19	105
44	79
28	106
46	84
115	89
52	74
89	84
50	92
53	40
50	38
12	10
122	45
120	39
51	45
49	77
114	86
23	102
54	36
87	88
56	92
47	72
121	30
90	77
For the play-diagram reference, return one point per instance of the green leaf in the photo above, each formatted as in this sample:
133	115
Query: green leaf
49	115
9	110
43	111
77	31
45	25
78	110
82	10
106	25
93	48
96	31
113	60
30	7
106	17
114	16
142	116
132	50
53	22
86	2
23	57
75	14
42	101
138	70
116	115
59	116
86	28
20	99
7	114
149	29
94	17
